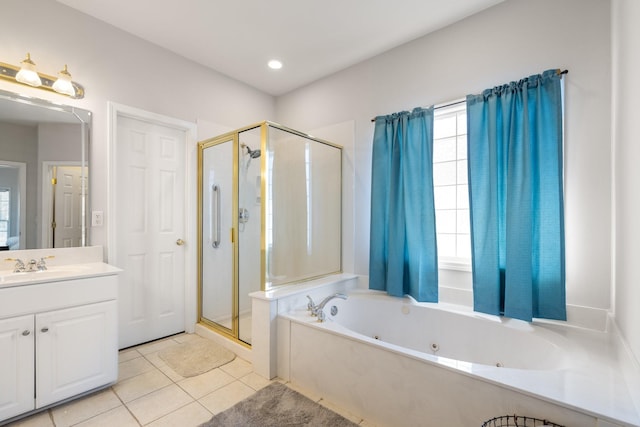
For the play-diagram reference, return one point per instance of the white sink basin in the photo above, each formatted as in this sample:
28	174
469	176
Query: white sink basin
53	273
38	275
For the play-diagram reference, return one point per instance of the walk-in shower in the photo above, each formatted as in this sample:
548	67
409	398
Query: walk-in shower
269	214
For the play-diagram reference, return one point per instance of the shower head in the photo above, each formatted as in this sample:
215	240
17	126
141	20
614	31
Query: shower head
254	154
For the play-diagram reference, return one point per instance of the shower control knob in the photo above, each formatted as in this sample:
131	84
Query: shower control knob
243	216
180	242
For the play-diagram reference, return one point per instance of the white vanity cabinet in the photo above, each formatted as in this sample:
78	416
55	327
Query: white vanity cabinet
75	351
16	366
57	340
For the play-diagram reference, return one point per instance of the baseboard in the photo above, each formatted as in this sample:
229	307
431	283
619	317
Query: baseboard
629	364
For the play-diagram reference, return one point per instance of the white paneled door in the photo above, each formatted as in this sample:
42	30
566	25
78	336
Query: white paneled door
150	228
67	207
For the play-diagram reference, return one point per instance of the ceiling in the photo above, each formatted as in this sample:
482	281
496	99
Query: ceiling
313	39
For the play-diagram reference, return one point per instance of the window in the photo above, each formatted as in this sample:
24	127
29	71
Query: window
451	191
4	215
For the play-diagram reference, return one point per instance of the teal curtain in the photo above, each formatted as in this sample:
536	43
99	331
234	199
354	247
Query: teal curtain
515	166
403	257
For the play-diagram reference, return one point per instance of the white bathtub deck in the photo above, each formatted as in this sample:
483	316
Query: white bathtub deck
590	382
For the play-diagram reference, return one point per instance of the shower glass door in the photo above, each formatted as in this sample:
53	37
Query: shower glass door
217	247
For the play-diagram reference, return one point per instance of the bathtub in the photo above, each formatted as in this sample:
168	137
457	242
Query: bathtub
395	362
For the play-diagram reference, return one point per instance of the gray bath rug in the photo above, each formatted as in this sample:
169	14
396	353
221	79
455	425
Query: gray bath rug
195	357
277	406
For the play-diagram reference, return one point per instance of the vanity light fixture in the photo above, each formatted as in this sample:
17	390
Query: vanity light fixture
27	74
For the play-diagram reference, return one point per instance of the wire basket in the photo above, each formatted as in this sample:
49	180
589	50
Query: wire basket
518	421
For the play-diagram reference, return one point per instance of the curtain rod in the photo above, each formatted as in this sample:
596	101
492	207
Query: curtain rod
451	104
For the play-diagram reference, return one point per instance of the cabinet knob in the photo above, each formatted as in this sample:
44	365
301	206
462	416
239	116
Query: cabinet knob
45	329
26	332
180	242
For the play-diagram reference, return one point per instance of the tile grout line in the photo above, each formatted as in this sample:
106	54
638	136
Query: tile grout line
126	407
156	368
50	412
172	382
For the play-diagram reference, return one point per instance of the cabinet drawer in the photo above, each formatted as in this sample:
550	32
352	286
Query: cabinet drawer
40	297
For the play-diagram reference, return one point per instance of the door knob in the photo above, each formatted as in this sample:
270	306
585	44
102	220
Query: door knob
179	242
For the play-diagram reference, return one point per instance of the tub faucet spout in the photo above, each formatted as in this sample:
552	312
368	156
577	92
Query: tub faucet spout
318	310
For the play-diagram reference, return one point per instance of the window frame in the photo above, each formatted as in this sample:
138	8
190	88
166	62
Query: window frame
446	110
8	208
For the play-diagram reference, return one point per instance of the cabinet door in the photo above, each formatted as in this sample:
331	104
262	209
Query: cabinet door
76	351
16	366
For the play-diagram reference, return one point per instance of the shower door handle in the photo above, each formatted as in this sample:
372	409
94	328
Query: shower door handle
215	216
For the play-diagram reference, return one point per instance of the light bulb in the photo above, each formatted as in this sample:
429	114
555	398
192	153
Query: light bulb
63	84
28	74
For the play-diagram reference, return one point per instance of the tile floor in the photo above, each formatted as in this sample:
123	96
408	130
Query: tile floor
149	393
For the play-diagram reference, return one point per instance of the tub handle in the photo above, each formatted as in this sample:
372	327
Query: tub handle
311	306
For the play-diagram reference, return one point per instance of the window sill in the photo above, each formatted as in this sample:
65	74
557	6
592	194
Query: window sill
456	265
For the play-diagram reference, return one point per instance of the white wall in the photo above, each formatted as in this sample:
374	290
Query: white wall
59	141
626	92
507	42
115	66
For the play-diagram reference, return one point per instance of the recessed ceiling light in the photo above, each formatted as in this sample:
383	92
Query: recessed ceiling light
274	64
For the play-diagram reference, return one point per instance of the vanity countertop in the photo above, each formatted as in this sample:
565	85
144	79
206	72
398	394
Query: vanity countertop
57	273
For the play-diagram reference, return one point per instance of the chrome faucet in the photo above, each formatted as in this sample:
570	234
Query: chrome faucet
31	266
318	309
311	306
19	267
42	266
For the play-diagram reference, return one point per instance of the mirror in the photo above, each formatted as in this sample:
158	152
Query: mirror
44	151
